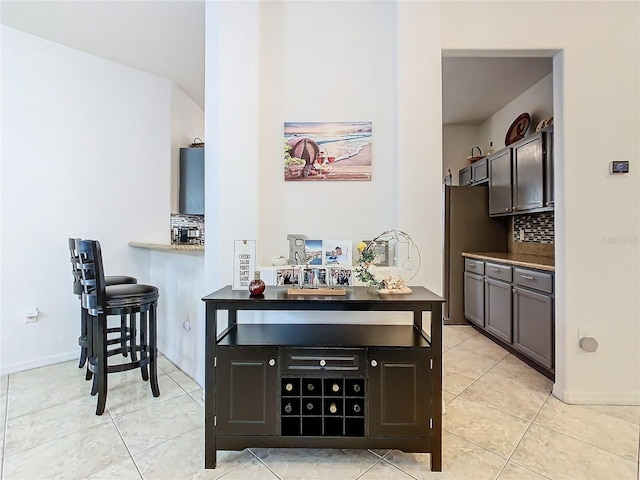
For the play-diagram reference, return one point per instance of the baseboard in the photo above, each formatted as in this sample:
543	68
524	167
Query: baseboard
596	398
7	369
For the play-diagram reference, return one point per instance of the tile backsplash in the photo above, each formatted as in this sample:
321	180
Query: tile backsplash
537	227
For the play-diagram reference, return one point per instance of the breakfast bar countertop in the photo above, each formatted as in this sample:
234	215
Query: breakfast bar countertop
167	247
518	259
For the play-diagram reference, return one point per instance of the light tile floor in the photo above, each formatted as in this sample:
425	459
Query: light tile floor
501	423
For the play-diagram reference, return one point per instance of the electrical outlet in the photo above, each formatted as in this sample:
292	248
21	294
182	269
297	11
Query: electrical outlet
31	315
521	234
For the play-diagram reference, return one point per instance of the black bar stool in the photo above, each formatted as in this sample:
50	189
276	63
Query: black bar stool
137	301
84	338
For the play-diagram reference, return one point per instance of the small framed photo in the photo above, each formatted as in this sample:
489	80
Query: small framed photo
340	277
314	277
287	276
313	252
380	251
337	252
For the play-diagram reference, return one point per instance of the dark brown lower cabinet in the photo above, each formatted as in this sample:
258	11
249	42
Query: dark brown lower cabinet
247	401
399	389
343	385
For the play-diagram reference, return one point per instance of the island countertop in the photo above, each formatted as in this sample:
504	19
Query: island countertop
518	259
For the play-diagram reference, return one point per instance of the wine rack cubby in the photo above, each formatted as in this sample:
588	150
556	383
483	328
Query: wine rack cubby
312	406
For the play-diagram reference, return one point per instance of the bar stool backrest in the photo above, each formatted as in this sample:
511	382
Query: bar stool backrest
75	267
93	283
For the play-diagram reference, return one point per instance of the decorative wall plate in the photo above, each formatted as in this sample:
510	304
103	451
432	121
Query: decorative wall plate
518	129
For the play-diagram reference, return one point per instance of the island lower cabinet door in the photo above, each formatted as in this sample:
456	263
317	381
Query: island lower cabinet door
246	390
497	317
399	392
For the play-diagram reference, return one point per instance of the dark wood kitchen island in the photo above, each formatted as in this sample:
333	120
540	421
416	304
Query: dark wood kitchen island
324	385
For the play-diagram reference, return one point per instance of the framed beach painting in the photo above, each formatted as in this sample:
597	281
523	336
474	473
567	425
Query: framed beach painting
327	151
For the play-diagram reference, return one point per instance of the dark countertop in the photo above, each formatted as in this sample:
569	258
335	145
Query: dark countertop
518	259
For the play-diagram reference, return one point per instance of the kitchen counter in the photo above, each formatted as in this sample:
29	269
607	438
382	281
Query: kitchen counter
166	247
518	259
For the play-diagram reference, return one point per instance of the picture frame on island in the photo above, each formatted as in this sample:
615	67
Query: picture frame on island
288	276
337	252
314	277
340	277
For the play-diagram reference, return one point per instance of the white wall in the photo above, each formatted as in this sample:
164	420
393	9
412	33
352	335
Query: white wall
180	277
457	142
361	67
341	74
187	123
537	101
85	152
596	120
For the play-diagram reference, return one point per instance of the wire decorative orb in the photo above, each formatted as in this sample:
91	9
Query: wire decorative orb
389	261
403	253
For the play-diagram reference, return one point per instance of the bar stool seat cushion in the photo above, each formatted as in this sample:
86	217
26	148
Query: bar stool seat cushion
119	279
119	296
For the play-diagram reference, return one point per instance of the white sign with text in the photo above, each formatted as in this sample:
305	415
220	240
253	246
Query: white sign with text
244	263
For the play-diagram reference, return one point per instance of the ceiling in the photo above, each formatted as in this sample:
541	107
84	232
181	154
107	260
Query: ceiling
474	88
161	37
166	38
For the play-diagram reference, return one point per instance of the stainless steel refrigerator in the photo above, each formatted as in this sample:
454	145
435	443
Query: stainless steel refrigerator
467	228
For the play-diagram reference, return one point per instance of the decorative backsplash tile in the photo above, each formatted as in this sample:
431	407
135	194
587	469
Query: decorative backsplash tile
538	227
187	229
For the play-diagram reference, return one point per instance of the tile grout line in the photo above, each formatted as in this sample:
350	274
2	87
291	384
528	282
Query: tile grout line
384	459
263	463
6	425
638	453
579	439
113	421
377	462
524	435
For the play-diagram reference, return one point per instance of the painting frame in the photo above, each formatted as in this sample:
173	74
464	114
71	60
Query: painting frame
328	151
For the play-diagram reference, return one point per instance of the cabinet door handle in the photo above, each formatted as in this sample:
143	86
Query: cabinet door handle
272	362
471	264
323	363
374	363
527	277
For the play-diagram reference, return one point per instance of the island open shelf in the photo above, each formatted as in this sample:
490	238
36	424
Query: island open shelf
324	335
333	385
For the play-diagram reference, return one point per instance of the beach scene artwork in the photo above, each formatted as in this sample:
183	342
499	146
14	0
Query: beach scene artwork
327	151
